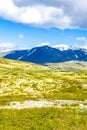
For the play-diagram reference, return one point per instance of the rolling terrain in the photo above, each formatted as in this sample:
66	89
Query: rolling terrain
69	66
26	81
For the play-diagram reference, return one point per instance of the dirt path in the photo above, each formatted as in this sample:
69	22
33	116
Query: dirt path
43	103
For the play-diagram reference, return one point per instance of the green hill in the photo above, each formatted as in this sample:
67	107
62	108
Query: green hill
21	81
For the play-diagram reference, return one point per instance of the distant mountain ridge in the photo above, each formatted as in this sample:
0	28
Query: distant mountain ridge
47	54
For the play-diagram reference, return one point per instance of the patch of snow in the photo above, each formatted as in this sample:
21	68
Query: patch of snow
76	56
31	52
20	58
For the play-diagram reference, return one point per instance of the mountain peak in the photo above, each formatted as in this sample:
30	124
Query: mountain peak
46	54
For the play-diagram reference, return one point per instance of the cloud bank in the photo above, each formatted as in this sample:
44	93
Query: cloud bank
46	13
5	47
83	39
44	44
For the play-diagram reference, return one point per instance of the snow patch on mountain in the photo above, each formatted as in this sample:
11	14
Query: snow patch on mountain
31	52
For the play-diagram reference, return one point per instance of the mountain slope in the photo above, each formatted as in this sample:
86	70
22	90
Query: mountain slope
46	54
38	55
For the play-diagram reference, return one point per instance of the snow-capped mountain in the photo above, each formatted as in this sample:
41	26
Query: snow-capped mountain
46	54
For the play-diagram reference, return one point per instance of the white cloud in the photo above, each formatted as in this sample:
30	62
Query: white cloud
44	44
85	47
46	13
21	36
38	15
83	39
61	46
5	47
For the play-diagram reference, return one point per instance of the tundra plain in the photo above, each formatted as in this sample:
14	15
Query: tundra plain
21	81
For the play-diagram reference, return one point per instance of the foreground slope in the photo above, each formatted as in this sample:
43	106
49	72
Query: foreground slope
24	81
43	119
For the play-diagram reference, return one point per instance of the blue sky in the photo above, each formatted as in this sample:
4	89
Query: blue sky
28	25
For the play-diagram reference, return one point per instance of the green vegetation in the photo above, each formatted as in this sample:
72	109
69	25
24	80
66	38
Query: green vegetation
43	119
21	81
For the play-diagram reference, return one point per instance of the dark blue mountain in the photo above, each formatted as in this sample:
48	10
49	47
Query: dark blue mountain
76	54
18	54
46	54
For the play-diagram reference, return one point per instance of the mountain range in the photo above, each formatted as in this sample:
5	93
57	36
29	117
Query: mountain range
47	54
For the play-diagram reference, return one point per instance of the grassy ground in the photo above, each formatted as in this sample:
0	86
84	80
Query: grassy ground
43	119
21	81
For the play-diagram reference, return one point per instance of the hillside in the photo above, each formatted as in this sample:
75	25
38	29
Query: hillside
69	66
19	65
21	81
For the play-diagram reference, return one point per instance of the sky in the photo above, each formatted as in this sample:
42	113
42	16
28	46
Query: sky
25	24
